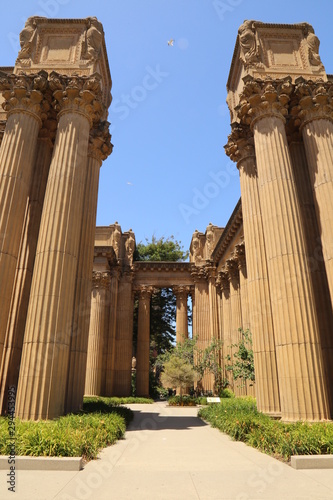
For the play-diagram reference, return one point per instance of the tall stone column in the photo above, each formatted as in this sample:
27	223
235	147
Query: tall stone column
241	150
111	349
99	323
314	248
99	149
236	315
143	343
124	336
226	306
303	389
11	360
25	104
213	318
201	315
46	348
181	293
315	112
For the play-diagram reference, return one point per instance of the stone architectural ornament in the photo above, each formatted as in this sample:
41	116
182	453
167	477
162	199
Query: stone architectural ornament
116	239
93	39
130	247
100	146
314	100
313	46
210	238
196	246
240	143
249	43
101	279
28	37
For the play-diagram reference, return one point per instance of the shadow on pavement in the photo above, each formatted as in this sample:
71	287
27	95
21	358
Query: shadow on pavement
155	422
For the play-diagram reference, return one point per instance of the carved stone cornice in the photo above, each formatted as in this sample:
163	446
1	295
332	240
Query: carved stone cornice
78	94
100	146
25	94
199	273
314	101
263	98
101	280
240	143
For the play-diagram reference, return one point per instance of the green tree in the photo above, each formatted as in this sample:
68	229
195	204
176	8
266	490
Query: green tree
178	373
241	364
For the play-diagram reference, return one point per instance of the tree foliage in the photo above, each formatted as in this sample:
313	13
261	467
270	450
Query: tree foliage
241	364
160	250
178	373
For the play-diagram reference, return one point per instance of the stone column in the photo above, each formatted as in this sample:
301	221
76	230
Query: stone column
25	104
315	112
236	316
9	372
99	149
226	339
181	293
45	356
240	149
124	336
99	323
143	343
111	349
213	318
303	389
314	248
201	314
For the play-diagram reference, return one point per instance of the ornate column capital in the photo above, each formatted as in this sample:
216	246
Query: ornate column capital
313	101
232	270
198	273
100	146
78	94
223	279
101	279
181	291
239	254
240	145
145	292
263	98
25	94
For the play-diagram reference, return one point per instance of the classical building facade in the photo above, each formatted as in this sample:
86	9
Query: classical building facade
68	289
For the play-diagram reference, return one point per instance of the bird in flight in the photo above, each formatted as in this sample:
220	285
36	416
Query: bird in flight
130	183
171	42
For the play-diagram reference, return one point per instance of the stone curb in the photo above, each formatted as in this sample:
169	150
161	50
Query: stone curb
43	463
312	461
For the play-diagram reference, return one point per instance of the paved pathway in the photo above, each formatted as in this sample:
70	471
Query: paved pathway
168	453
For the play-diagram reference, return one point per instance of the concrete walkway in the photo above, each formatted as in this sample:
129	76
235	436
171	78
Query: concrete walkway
168	453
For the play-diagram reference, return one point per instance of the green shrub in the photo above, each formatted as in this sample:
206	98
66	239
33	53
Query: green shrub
98	403
226	393
240	419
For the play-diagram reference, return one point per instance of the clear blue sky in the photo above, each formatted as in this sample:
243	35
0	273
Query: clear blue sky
169	117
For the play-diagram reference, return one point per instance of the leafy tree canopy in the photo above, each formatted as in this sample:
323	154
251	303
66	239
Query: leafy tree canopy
161	249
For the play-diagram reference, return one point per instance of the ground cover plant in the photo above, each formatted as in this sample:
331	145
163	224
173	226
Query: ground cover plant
100	424
92	402
240	419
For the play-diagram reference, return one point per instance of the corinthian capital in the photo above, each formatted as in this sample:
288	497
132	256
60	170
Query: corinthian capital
145	292
78	94
101	280
240	143
313	100
181	291
263	98
100	146
25	94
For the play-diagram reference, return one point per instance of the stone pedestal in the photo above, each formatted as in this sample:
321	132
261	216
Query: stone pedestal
142	351
241	150
24	103
302	383
45	357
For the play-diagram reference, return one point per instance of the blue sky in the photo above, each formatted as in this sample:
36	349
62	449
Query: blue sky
169	117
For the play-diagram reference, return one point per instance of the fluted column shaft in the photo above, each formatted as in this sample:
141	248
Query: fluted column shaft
99	148
143	343
241	150
45	356
317	131
20	298
226	338
111	349
99	322
202	318
17	159
303	390
124	337
213	319
181	312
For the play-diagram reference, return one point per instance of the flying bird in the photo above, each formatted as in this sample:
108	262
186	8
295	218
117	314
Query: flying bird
171	42
130	183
